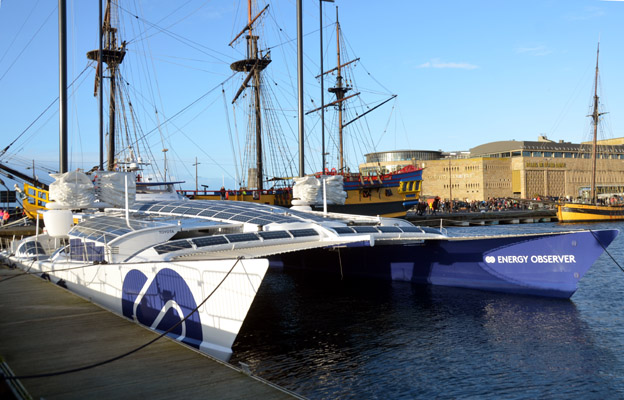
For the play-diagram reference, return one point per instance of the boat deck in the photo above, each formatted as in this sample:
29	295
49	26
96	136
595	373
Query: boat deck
44	328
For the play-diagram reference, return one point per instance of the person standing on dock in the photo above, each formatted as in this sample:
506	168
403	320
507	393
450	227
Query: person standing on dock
435	205
5	217
1	217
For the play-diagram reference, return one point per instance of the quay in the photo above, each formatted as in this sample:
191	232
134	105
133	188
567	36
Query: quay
45	328
18	231
483	218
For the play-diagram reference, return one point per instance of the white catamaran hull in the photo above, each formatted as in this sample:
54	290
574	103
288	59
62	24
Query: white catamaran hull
160	295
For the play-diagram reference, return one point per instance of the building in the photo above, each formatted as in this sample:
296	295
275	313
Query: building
517	169
390	161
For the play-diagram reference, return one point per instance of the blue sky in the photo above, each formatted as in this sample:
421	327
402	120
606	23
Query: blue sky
465	73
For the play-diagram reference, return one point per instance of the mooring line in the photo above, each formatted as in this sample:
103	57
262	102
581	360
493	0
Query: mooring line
605	249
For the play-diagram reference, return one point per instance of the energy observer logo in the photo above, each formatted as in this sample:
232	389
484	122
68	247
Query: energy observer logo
533	259
162	303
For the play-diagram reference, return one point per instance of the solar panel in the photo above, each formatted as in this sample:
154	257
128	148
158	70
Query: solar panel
223	215
207	213
342	229
145	207
268	235
241	237
241	218
365	229
411	229
105	228
389	229
259	221
303	232
209	241
173	246
429	230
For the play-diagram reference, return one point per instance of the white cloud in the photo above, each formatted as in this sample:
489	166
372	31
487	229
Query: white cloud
534	51
436	63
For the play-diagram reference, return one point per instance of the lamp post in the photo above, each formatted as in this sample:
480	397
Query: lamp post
196	186
450	183
165	153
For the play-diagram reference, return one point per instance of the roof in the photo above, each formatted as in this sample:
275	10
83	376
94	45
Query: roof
513	145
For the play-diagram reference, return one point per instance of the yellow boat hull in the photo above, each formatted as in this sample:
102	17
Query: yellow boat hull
571	212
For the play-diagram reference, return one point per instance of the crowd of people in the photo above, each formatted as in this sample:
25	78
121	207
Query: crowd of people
438	205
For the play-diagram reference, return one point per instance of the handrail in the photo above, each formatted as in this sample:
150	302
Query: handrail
35	199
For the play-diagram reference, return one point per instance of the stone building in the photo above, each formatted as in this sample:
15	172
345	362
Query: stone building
518	169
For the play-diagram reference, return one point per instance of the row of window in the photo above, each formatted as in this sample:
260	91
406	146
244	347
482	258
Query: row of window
555	154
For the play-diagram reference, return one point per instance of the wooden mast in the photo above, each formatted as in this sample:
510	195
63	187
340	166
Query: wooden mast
595	117
339	90
112	55
253	64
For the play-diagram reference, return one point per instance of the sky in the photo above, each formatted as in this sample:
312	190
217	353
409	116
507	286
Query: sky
465	73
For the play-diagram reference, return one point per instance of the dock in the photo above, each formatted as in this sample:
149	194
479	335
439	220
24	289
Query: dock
45	328
483	218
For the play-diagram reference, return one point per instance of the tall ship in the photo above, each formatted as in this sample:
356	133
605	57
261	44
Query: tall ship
596	209
385	194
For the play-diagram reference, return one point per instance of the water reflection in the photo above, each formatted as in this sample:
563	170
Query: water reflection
365	339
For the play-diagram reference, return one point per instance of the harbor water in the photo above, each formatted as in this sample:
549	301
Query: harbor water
326	339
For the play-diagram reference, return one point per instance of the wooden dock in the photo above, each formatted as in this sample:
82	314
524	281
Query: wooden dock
44	328
483	218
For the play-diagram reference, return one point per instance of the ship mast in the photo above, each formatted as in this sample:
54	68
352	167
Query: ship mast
112	55
595	119
254	64
339	90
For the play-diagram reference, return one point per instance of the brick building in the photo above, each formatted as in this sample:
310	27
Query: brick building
518	169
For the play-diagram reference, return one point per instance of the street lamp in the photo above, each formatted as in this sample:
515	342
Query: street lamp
196	164
165	153
450	183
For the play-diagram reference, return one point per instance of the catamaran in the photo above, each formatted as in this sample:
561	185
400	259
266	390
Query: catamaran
192	268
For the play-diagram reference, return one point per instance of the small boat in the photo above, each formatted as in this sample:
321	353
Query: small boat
592	211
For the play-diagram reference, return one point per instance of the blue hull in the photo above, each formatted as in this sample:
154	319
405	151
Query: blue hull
544	265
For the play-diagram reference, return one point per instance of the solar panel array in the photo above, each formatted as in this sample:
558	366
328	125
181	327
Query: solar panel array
106	228
346	230
259	214
85	251
206	241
